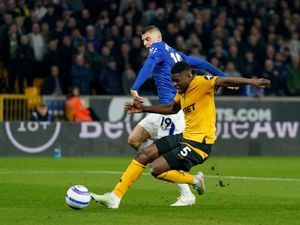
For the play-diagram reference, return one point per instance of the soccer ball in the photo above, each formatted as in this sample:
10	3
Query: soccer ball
78	197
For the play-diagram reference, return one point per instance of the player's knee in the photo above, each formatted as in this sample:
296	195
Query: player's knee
155	172
142	157
133	142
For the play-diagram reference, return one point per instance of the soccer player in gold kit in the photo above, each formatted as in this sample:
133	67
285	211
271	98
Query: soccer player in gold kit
173	156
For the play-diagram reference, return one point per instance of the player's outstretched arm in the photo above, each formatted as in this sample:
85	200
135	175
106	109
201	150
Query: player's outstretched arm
135	96
203	64
138	107
239	81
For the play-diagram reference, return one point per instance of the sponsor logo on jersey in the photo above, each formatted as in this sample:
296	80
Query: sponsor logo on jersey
189	108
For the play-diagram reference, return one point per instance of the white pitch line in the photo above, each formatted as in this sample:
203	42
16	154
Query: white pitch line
120	172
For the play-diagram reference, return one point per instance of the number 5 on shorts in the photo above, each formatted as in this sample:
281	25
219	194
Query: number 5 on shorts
185	151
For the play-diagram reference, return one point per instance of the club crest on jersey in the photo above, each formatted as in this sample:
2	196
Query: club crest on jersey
208	77
152	50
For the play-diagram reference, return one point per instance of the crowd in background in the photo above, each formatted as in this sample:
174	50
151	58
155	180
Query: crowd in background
96	45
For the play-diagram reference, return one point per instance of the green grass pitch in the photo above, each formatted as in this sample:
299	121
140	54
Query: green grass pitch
239	191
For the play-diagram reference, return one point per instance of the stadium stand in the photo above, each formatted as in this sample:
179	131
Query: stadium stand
240	37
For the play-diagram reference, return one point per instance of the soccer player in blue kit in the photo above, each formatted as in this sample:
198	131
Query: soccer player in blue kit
159	62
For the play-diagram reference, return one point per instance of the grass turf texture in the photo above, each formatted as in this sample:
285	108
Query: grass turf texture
33	190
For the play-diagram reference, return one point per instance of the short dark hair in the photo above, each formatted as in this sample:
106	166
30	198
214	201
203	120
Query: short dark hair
150	28
180	66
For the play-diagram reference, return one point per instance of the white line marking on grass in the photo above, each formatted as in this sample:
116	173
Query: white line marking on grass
120	173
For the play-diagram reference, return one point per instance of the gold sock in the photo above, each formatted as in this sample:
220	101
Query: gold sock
132	173
175	176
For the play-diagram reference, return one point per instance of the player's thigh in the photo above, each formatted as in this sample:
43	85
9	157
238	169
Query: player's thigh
167	143
151	124
187	154
177	161
139	134
171	124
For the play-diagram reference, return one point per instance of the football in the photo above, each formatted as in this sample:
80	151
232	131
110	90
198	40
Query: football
78	197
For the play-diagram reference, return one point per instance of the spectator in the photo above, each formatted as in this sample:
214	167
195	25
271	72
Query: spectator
41	114
92	38
22	10
235	56
231	72
40	9
12	43
71	25
25	60
295	43
84	21
149	14
251	66
110	78
128	79
50	17
269	74
38	44
280	71
76	109
51	57
81	75
293	77
58	33
65	52
135	60
77	38
220	53
52	84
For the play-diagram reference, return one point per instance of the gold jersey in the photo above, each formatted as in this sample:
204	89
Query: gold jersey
199	109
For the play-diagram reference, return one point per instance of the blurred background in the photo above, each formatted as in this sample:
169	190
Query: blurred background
59	54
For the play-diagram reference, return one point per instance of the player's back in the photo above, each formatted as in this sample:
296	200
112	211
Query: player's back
165	57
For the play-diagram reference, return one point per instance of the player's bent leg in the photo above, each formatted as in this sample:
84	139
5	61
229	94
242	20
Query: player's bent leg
147	155
158	166
113	199
138	136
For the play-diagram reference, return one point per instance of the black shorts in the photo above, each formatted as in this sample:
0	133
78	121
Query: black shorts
180	153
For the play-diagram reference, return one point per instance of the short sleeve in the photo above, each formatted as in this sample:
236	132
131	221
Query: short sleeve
177	98
207	82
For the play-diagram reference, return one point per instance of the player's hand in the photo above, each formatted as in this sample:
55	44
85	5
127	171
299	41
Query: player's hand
135	107
136	97
262	83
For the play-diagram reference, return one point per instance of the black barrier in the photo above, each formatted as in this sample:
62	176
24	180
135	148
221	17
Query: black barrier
244	127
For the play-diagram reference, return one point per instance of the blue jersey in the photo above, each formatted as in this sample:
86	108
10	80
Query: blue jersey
159	62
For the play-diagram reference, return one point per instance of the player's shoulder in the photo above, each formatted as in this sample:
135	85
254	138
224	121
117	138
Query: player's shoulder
204	78
160	46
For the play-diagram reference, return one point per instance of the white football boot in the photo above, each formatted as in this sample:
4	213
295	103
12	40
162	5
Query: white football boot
199	186
183	200
110	200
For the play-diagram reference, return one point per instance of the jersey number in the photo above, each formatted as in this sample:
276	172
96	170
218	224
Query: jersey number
185	151
165	123
176	57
